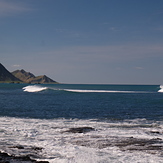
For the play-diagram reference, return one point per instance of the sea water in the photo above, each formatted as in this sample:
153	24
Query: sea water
117	123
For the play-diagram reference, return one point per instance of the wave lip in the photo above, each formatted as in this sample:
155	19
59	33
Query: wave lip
38	88
161	90
34	88
98	91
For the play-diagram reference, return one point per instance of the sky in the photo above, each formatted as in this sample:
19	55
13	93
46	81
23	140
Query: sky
84	41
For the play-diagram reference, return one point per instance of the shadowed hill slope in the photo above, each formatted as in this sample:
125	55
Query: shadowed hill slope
21	76
28	77
6	76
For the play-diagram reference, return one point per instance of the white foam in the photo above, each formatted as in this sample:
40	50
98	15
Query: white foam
98	91
60	146
161	90
34	88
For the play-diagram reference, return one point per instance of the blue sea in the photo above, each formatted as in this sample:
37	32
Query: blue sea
76	123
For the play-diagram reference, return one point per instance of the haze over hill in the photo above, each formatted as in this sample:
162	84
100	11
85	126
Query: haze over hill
21	76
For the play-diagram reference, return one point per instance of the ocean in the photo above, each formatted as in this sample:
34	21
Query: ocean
75	123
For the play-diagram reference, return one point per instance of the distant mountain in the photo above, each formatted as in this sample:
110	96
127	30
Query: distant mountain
41	79
6	76
28	77
21	76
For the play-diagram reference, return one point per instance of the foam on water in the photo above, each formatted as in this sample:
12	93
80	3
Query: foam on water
161	88
98	91
107	143
34	88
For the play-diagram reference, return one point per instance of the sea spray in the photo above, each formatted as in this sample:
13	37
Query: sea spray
137	140
161	90
34	88
97	91
38	88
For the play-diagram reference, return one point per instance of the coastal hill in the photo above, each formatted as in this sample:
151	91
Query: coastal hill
21	76
6	76
28	77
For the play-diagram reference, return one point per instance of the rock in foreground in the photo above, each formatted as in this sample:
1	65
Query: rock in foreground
5	158
80	129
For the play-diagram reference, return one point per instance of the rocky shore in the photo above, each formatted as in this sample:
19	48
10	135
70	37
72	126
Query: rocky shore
29	154
20	154
5	158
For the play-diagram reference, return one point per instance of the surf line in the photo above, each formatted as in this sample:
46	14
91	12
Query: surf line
97	91
34	88
161	88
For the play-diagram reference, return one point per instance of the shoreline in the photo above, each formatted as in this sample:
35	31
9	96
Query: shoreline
131	144
6	158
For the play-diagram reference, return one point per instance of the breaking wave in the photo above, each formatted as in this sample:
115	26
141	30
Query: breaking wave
34	88
39	88
96	91
161	90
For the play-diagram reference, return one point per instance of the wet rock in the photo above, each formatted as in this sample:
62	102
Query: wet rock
80	129
37	148
155	132
154	146
140	144
25	147
17	146
5	158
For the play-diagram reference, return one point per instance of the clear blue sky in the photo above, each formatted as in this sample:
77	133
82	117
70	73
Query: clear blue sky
84	41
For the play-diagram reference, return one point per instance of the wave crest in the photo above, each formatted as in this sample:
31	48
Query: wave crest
38	88
97	91
161	88
34	88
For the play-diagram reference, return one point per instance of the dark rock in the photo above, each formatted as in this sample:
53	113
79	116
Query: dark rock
155	132
5	158
37	148
154	146
17	146
42	162
80	130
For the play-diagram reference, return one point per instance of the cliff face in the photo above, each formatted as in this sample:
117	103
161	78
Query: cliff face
6	76
21	76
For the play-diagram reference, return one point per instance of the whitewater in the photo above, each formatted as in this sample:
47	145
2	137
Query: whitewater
71	123
34	88
128	141
161	88
37	88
